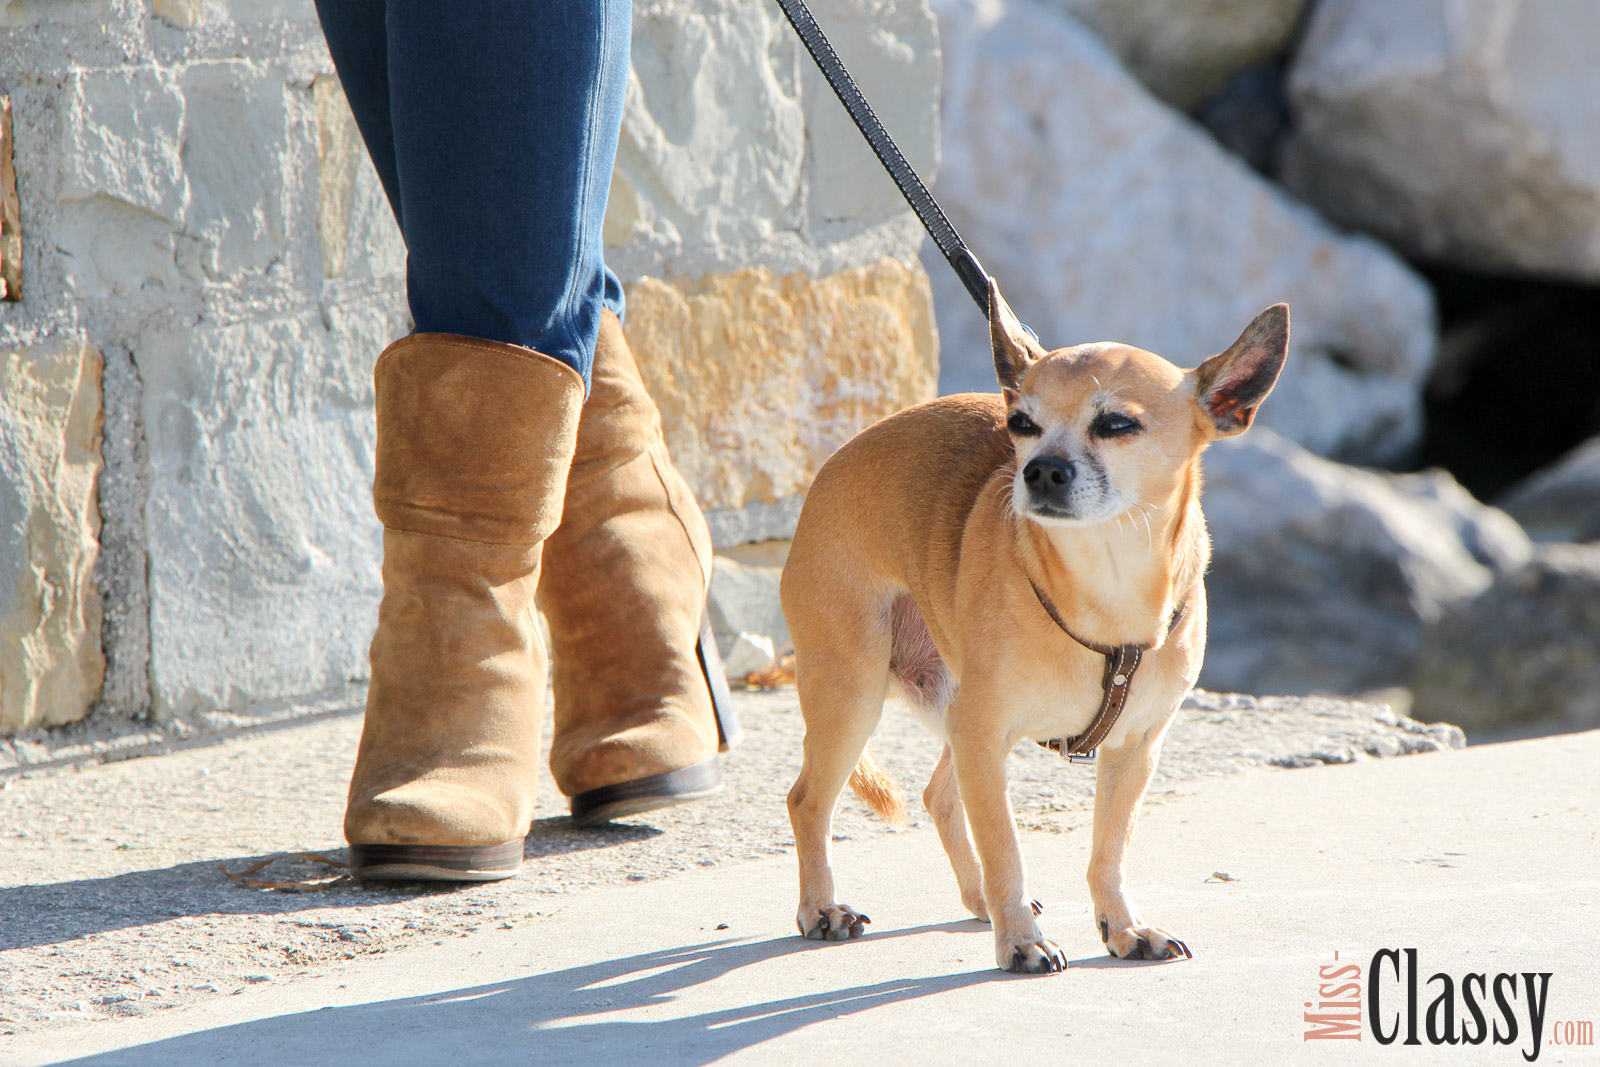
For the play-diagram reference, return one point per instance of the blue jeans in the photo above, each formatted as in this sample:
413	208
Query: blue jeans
493	126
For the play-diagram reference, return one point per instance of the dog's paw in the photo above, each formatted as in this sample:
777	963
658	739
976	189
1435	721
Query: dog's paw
832	922
1030	957
1143	943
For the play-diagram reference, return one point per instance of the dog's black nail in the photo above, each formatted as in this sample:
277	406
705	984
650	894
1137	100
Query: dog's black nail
1183	948
1038	908
1142	951
1105	932
863	919
1016	960
822	924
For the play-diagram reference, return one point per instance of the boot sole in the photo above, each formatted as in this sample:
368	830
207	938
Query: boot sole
595	806
436	863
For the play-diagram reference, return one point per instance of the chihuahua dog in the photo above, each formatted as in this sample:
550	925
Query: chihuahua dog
1007	563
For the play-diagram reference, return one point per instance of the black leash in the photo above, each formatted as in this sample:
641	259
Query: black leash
944	235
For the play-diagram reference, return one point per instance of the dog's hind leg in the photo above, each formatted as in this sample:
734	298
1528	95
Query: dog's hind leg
1121	776
943	802
841	672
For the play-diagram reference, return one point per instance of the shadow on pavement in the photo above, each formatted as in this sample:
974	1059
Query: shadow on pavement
56	912
565	1016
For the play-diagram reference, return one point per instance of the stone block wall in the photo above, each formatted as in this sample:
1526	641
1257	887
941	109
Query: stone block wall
208	270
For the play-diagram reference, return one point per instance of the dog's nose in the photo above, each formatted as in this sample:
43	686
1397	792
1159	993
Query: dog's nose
1048	477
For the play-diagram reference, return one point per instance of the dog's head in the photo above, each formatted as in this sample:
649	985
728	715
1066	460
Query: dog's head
1103	428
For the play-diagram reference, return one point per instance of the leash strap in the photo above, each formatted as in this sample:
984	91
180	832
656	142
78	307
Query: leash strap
944	235
1121	662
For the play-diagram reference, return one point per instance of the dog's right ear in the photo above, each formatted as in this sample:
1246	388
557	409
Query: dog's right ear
1229	387
1014	347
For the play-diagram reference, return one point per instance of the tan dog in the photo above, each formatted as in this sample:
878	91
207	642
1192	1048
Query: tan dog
966	552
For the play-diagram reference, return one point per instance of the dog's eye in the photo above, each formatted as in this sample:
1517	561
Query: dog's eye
1112	424
1019	424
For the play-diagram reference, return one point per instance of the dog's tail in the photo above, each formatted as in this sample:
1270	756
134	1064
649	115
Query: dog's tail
877	790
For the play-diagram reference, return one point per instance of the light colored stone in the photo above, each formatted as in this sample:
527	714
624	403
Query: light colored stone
124	136
28	12
734	154
887	45
50	659
1185	51
760	378
184	14
713	120
749	653
109	248
1562	501
1460	130
756	521
356	231
1105	215
264	550
257	11
744	599
339	153
1524	653
1324	577
237	159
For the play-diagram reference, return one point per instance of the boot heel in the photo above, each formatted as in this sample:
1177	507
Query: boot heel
436	863
729	733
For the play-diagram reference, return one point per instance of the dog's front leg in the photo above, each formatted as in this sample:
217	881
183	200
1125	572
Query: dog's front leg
979	750
1121	777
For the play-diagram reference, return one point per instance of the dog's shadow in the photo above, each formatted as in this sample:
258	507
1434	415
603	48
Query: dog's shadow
569	1015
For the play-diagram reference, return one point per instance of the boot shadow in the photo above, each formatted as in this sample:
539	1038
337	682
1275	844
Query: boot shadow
58	912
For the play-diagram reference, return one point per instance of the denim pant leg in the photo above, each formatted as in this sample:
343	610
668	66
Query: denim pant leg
493	126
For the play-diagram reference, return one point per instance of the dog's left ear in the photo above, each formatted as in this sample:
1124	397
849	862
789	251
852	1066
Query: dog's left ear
1014	347
1230	386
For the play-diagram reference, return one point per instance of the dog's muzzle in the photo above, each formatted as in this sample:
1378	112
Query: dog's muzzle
1049	480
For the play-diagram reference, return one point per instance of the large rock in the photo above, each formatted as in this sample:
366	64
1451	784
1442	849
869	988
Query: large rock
1186	50
1562	501
50	658
1525	652
1105	215
1461	130
1323	576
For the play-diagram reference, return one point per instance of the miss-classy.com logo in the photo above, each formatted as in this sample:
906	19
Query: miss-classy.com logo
1383	1001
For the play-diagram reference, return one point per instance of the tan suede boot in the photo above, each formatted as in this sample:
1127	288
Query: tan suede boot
641	708
474	442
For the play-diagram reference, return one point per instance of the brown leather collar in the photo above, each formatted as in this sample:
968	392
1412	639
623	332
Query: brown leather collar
1121	663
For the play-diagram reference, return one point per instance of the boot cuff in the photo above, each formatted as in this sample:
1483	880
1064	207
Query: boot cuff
474	438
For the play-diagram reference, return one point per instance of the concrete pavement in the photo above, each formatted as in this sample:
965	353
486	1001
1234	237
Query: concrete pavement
1483	861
